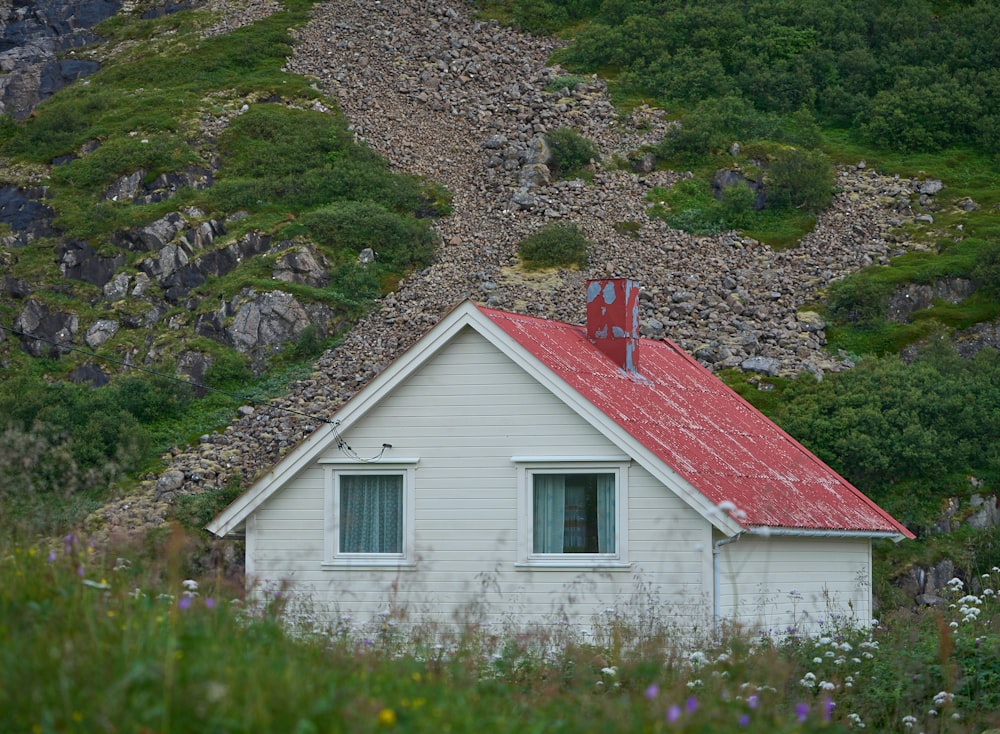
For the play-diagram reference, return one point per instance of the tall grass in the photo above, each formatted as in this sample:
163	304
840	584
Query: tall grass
100	642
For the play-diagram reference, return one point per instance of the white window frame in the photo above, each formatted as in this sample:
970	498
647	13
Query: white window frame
332	556
527	467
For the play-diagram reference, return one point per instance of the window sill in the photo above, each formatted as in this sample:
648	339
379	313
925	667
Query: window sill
369	564
572	565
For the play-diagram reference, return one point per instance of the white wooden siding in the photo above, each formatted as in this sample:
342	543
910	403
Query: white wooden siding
465	415
779	582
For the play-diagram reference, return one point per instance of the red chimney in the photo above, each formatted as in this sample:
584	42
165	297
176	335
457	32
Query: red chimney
613	320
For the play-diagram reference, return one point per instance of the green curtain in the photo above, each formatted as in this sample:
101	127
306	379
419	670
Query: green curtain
371	513
549	512
605	513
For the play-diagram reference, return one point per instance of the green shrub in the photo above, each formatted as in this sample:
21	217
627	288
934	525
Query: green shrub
399	241
554	245
801	179
229	370
570	150
986	270
859	301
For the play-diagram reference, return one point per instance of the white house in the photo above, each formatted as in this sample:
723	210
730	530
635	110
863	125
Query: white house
512	469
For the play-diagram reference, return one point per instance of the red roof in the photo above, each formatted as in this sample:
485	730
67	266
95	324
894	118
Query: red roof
723	446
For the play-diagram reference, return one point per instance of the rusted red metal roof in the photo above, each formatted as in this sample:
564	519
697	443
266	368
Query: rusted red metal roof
719	443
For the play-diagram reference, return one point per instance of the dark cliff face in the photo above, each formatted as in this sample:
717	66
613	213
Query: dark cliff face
32	36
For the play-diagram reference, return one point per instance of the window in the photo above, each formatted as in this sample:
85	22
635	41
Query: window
572	513
371	513
369	517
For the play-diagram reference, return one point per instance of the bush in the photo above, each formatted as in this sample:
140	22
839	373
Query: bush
399	241
859	301
802	179
570	150
554	245
986	270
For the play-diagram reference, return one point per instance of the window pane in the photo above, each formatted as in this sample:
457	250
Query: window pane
573	513
371	513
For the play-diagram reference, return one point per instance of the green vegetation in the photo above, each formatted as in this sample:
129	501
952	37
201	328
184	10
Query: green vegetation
571	151
556	245
284	161
180	654
908	435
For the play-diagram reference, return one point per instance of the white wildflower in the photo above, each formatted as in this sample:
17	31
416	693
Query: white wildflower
943	698
189	585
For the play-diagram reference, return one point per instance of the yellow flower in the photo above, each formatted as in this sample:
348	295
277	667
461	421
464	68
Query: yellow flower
387	717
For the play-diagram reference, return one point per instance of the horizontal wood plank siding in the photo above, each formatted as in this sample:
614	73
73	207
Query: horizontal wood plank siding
465	415
763	586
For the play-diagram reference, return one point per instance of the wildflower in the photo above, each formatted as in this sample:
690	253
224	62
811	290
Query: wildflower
691	704
855	720
828	706
387	717
652	691
753	701
744	720
189	585
184	603
801	711
943	698
827	686
52	556
694	683
909	721
612	671
209	602
673	714
817	661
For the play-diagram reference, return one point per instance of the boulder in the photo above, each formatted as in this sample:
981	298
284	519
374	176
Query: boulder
100	331
79	261
266	319
89	374
762	365
52	330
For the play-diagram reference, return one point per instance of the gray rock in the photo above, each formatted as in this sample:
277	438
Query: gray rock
117	288
54	330
534	175
100	331
127	187
302	265
762	365
930	187
168	484
160	232
265	319
538	152
810	321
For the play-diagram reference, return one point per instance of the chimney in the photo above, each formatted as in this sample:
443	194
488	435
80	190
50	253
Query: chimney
613	320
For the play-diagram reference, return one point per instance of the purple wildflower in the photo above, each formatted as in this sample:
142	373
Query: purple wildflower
753	701
828	706
744	720
79	571
691	704
801	711
52	556
652	691
673	714
184	603
209	602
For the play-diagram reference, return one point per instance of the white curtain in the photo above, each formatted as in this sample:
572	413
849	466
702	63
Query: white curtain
605	513
371	513
549	512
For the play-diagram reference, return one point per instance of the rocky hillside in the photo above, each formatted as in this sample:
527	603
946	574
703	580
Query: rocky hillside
461	101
